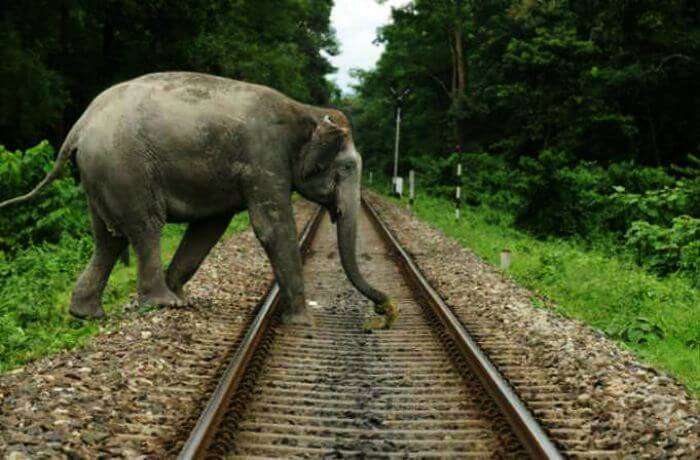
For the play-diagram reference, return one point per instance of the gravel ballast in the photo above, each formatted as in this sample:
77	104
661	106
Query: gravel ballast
628	407
136	388
135	391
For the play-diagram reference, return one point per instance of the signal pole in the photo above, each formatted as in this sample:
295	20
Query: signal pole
398	101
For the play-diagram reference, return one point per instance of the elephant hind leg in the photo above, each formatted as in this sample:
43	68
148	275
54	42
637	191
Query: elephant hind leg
151	286
199	238
86	301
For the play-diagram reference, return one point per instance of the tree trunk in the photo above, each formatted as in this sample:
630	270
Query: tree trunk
454	95
461	84
461	67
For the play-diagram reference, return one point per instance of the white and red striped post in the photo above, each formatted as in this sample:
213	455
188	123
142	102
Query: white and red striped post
458	191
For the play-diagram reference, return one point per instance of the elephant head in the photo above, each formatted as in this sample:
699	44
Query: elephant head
329	172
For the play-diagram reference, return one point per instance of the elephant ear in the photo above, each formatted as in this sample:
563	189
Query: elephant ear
326	141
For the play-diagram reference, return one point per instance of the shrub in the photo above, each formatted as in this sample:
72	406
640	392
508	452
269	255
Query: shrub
657	206
490	180
560	198
487	179
667	249
436	174
61	209
638	179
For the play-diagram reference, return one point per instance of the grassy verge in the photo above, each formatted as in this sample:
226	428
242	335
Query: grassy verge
35	289
657	318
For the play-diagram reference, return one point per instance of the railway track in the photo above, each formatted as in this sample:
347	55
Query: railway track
421	389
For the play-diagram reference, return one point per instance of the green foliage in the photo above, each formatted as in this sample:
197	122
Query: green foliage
668	249
658	318
638	179
32	289
486	179
559	197
35	287
32	96
660	205
57	56
626	208
489	180
60	211
271	42
602	81
35	291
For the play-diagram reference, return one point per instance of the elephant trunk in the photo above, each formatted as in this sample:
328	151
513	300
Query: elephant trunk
349	209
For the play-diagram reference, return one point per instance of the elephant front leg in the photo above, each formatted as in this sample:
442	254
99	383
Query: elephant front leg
152	289
274	226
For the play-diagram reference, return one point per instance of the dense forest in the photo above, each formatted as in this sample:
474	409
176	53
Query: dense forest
602	81
580	118
58	55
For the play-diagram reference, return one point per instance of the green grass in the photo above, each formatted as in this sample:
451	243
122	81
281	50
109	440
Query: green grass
657	318
35	289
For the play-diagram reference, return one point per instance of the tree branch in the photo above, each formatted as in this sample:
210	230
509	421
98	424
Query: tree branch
442	85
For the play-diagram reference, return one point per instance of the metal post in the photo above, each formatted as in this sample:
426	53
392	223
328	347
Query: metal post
505	259
396	147
411	186
458	192
398	101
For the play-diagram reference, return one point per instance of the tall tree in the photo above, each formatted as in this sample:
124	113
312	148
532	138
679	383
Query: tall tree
58	55
602	81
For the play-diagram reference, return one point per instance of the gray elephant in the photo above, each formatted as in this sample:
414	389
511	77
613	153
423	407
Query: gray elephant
196	148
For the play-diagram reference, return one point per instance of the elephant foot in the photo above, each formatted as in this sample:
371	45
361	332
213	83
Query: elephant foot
165	298
181	294
374	323
390	310
298	318
91	309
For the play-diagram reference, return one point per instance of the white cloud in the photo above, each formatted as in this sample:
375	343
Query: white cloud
356	23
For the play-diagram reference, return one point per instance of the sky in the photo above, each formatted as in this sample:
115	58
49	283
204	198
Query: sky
356	23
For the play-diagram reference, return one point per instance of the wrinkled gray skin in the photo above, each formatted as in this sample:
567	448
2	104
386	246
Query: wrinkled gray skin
187	147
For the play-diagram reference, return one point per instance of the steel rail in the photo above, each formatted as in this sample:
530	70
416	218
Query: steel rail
201	436
521	420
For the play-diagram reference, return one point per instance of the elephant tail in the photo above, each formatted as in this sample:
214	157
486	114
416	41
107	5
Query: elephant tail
67	152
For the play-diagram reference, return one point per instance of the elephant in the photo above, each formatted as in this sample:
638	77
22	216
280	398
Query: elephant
194	148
